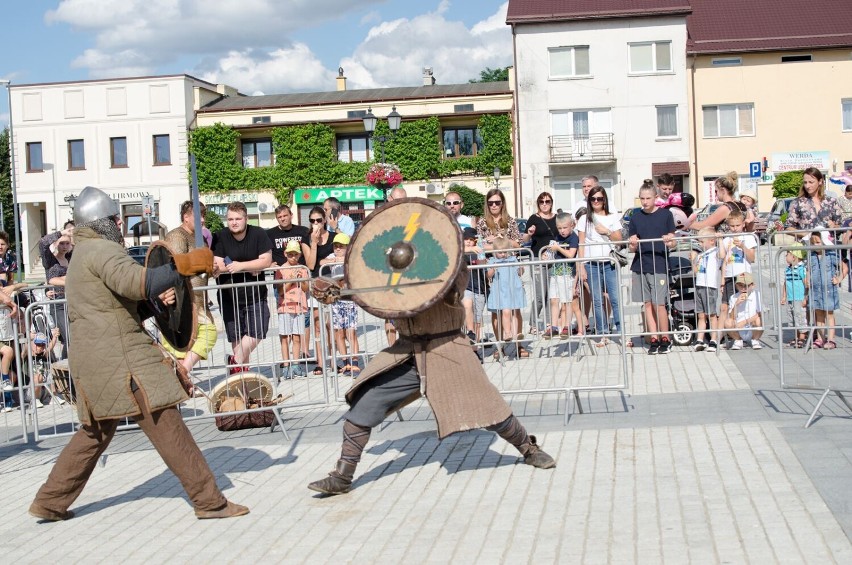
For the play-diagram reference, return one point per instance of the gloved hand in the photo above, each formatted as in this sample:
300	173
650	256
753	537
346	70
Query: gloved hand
196	262
325	290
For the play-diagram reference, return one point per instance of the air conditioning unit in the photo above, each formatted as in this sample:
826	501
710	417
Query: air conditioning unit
262	207
431	188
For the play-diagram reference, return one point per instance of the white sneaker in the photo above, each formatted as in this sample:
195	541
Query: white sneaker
58	400
7	386
6	409
700	346
738	344
37	403
755	344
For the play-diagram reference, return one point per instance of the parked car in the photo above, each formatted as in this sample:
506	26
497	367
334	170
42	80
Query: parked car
781	207
522	228
137	253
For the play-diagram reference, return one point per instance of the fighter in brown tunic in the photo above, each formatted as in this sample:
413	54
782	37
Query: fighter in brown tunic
433	358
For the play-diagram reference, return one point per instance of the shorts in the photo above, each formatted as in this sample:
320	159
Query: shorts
205	341
561	287
291	324
707	300
344	315
250	320
478	300
650	287
728	291
797	313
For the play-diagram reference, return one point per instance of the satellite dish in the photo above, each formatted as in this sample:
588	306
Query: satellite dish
262	207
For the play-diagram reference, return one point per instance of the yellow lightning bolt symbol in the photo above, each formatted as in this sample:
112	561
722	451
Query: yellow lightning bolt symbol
410	230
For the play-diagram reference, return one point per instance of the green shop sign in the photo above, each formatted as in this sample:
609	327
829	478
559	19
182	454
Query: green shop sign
342	193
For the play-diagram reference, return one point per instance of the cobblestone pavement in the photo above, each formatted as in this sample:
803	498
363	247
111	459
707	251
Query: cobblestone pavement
687	465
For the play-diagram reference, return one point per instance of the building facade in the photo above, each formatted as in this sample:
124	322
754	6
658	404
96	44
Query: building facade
601	90
127	137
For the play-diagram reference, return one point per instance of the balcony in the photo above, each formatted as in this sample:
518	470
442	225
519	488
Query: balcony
581	148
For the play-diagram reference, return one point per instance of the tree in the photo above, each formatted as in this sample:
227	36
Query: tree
6	186
787	184
492	75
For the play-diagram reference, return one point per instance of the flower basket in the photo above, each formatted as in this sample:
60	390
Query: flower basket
384	175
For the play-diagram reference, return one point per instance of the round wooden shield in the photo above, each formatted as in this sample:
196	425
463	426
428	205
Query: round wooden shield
177	323
410	249
243	386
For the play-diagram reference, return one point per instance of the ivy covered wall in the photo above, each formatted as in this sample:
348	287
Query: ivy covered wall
306	155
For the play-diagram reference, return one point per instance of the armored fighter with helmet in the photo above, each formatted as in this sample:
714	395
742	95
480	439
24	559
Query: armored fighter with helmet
414	247
117	369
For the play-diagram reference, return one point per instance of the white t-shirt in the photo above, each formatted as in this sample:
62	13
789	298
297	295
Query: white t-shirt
597	246
464	221
747	309
708	269
735	261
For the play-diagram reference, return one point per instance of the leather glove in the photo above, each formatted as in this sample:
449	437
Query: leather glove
325	290
196	262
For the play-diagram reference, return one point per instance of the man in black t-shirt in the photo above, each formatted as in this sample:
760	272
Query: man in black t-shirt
241	252
650	264
285	232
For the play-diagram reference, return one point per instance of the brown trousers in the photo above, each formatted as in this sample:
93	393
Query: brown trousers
169	435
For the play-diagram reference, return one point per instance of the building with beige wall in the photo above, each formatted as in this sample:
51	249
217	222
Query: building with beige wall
457	106
776	87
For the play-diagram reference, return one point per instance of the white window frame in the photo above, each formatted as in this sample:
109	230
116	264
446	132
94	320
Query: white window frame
844	104
654	45
736	108
572	50
676	134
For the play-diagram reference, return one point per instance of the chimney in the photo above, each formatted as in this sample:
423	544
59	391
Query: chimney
341	80
428	78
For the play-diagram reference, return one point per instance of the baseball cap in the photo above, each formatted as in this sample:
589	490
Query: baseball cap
292	245
800	253
341	238
745	278
469	233
40	339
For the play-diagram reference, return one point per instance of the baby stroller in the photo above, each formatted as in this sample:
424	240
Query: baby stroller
682	317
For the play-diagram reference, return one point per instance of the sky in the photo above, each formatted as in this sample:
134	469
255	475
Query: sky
257	46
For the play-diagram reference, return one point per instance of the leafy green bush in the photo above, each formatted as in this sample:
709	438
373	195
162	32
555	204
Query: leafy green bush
474	201
213	221
787	184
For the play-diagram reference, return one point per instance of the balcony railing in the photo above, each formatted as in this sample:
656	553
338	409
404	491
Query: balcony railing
579	148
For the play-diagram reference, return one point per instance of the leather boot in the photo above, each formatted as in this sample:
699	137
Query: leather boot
230	510
338	481
49	515
533	455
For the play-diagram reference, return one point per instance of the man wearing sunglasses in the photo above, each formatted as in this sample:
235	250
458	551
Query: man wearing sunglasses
454	204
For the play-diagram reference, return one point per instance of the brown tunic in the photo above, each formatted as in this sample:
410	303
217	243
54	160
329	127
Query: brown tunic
451	376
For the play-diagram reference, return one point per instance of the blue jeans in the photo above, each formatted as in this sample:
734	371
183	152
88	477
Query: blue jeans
602	274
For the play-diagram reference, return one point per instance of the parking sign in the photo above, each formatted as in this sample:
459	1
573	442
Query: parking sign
754	169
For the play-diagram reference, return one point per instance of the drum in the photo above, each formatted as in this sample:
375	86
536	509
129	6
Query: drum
243	386
62	383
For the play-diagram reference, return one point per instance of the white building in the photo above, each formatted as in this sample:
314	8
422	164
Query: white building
127	137
602	93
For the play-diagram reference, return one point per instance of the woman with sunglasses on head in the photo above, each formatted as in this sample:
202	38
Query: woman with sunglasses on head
495	223
598	229
317	245
541	231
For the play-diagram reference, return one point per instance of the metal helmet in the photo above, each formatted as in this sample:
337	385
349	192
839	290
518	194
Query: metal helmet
94	204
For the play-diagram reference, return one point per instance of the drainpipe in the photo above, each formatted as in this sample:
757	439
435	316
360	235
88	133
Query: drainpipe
699	187
516	168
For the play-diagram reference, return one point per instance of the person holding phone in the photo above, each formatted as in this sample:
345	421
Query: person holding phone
336	221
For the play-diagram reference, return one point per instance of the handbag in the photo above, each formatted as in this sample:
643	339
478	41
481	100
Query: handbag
620	256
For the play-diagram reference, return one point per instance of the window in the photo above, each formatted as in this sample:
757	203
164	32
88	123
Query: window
666	121
730	120
462	142
261	120
795	58
458	108
131	214
846	110
354	149
76	155
257	153
35	162
727	61
352	114
652	57
118	152
162	150
569	61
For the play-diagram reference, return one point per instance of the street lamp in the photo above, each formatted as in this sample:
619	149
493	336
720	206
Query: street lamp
18	258
70	200
496	173
394	121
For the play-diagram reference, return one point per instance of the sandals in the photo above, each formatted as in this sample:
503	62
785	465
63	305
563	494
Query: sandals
817	343
796	344
317	371
829	345
523	352
602	343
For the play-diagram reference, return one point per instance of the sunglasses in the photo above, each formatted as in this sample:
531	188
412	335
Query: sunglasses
495	202
597	199
317	220
545	201
452	202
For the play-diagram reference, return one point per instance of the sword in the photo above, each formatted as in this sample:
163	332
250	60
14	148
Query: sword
350	291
